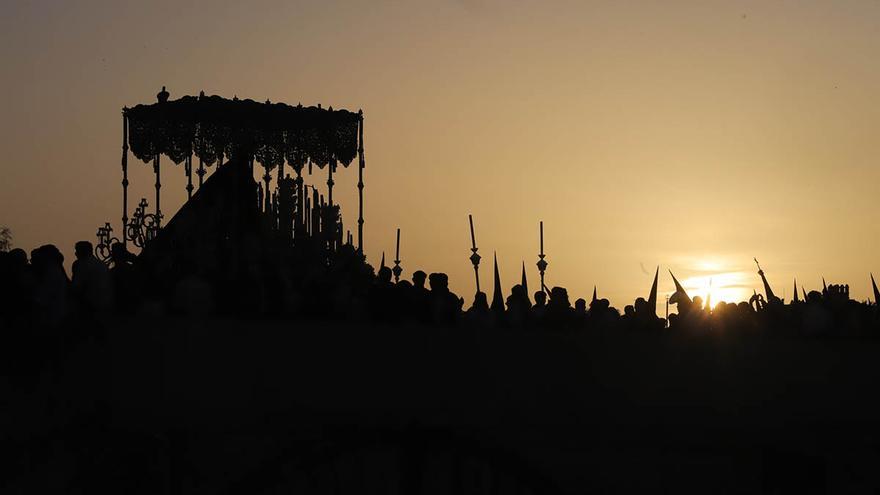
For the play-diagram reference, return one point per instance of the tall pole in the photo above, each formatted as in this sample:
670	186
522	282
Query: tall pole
158	186
666	324
188	167
124	176
298	230
330	167
475	258
280	171
397	270
201	172
542	263
267	178
360	184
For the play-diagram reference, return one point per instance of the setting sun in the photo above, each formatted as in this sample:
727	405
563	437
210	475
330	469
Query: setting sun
715	280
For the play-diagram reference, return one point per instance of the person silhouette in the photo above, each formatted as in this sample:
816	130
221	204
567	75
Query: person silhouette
559	312
91	282
126	288
580	312
382	297
420	297
539	310
51	301
518	307
478	315
444	304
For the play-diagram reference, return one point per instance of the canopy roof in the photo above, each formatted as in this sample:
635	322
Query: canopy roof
213	126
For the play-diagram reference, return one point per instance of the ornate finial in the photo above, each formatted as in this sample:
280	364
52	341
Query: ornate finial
397	270
475	258
542	263
163	95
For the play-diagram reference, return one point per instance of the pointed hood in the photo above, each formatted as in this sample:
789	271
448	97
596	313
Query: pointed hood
382	264
804	293
768	292
525	283
594	295
497	295
795	292
680	294
876	292
824	287
652	297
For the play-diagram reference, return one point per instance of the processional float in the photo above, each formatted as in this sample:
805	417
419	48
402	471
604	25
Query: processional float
212	129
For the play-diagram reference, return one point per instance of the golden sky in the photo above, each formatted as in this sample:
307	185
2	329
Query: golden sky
691	135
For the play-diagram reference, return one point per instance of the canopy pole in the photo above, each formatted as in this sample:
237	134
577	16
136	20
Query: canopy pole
158	187
360	184
330	228
124	176
330	167
298	230
201	172
266	178
188	167
280	172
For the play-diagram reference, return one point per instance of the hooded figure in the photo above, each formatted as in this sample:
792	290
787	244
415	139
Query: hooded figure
680	297
652	297
497	294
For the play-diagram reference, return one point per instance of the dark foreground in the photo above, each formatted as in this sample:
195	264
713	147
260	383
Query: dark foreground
266	407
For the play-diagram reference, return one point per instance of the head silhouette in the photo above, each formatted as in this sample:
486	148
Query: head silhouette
439	282
559	297
580	305
83	250
385	275
641	305
418	278
540	298
17	257
481	302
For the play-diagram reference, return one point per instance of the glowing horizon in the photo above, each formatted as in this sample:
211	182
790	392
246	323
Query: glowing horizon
642	134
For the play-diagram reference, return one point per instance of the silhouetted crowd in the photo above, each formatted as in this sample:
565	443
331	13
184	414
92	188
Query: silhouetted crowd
38	292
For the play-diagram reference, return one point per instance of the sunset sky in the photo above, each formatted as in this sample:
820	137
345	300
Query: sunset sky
690	135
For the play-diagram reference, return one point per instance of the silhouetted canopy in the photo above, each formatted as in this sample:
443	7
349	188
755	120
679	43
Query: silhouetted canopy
213	126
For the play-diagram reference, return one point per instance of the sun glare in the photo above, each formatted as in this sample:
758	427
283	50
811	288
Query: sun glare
713	281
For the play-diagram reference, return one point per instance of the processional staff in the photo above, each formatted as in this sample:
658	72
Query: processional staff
267	178
397	270
158	186
475	258
188	168
201	172
542	263
360	184
124	175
